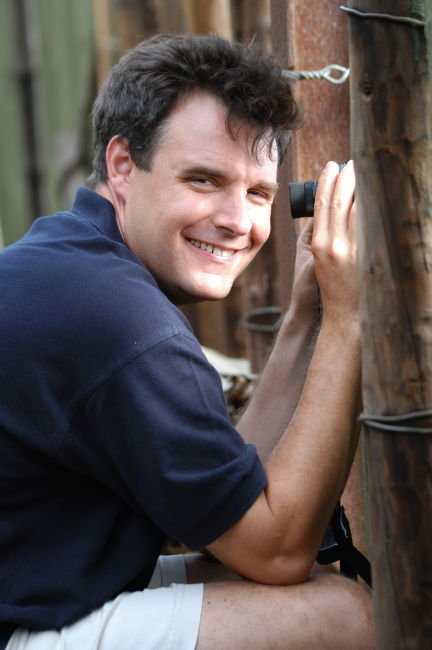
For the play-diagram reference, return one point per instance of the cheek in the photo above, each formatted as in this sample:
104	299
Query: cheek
262	231
194	207
181	213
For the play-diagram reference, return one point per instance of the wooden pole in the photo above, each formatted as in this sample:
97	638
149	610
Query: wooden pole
211	16
173	17
308	36
252	22
103	39
392	147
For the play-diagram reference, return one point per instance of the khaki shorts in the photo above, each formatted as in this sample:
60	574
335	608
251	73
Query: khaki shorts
165	616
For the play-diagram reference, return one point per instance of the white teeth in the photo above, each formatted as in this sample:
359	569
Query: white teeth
221	252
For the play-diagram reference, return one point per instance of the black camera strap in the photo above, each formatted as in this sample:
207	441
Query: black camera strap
337	546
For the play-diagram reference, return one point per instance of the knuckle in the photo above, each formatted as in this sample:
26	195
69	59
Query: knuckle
338	204
320	202
319	245
337	251
330	169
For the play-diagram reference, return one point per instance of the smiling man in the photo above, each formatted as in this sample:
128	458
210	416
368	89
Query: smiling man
113	427
203	206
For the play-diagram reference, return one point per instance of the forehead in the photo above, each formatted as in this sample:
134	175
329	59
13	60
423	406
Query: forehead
198	126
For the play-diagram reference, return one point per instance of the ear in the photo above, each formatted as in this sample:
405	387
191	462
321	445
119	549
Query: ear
119	165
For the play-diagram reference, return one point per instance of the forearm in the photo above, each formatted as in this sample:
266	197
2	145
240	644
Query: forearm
309	466
306	471
277	394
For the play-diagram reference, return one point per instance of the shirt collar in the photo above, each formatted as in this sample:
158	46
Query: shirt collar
97	209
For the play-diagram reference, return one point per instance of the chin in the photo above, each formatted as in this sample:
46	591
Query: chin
190	295
189	298
217	292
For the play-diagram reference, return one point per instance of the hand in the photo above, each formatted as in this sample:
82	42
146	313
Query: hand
305	298
334	243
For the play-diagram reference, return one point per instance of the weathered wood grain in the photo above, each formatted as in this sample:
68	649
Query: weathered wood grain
391	146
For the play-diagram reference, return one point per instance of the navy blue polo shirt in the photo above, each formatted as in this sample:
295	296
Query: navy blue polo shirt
113	427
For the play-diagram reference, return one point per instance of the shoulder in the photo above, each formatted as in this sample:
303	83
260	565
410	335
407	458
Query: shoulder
82	296
83	269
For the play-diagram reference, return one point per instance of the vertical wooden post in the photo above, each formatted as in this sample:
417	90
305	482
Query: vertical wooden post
103	39
173	17
252	23
26	69
211	16
308	36
392	147
17	203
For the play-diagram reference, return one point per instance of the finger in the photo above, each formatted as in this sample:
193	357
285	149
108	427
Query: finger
343	195
352	235
323	201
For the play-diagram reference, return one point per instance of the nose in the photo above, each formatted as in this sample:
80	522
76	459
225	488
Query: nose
233	215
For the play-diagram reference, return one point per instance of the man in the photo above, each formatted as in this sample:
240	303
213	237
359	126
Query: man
113	428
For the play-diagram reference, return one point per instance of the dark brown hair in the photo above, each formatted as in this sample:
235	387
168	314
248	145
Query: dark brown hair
146	84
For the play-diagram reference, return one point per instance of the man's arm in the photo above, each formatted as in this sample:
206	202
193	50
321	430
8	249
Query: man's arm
277	539
283	378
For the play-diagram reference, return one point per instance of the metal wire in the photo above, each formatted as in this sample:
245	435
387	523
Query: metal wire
392	424
325	73
247	321
414	22
342	73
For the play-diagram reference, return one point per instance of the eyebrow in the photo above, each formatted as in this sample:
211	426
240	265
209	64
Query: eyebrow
199	170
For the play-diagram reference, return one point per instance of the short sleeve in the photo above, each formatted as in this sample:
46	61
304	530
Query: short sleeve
157	432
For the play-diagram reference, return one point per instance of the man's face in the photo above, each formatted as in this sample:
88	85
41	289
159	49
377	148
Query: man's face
202	212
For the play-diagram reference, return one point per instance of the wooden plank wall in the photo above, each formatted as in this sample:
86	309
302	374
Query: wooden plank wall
15	187
46	84
391	143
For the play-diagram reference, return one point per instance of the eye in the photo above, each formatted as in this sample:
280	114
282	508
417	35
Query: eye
201	181
260	196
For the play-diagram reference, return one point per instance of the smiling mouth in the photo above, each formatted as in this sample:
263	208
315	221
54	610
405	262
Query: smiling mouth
216	250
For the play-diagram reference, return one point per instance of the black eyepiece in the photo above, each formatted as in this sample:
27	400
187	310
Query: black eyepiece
302	197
